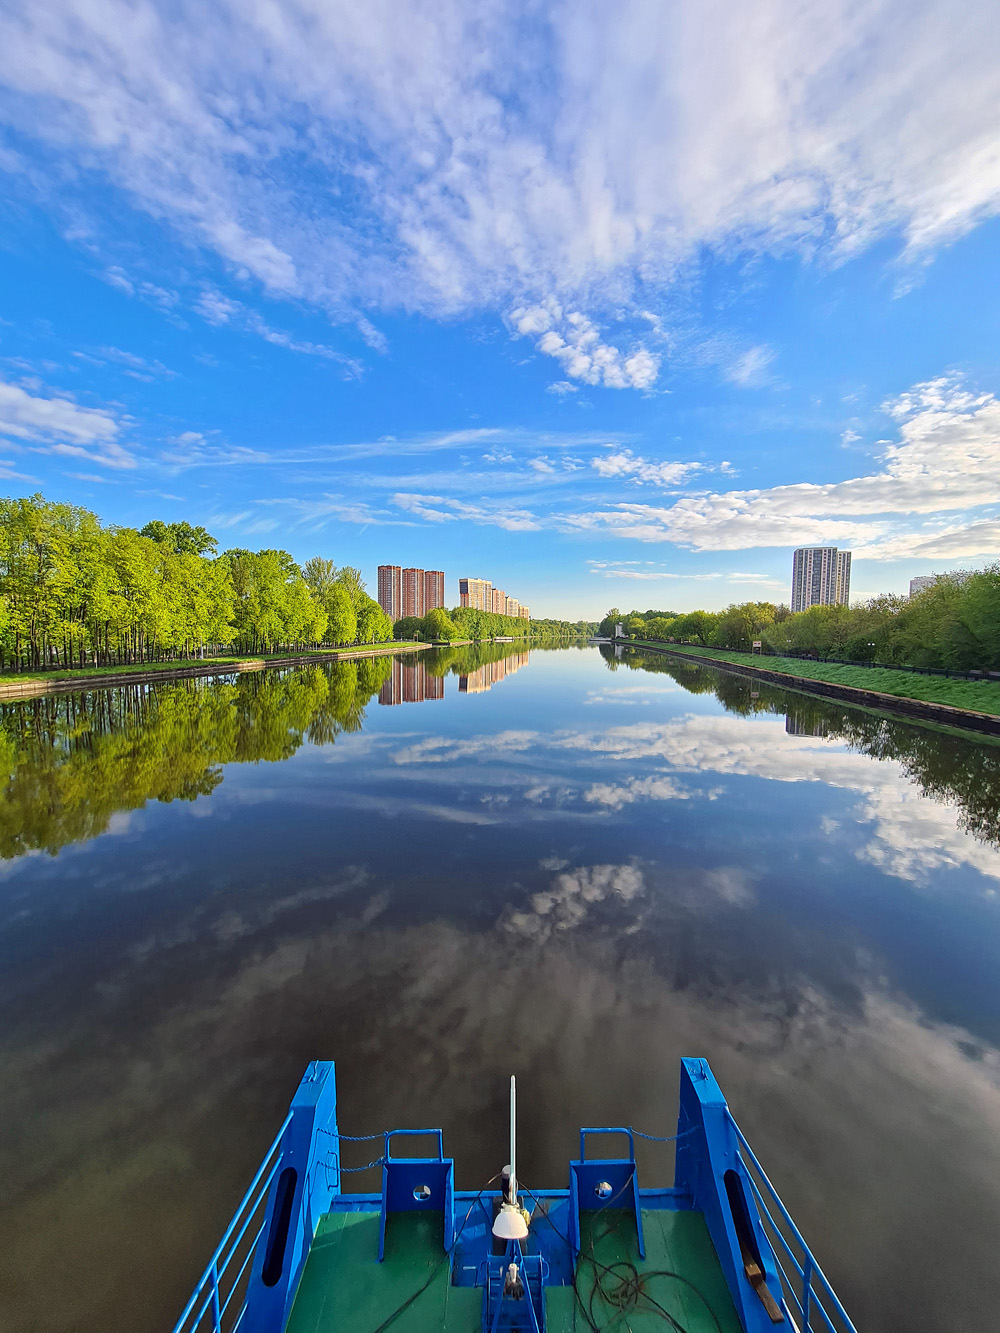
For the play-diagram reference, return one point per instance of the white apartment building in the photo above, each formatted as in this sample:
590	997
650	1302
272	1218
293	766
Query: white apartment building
821	576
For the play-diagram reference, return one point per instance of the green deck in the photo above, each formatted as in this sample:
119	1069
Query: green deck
343	1287
677	1243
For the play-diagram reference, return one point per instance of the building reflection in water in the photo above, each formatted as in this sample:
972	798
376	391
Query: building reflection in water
410	683
797	724
487	675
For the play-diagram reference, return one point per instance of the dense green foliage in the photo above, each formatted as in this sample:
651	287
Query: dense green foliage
949	625
76	593
464	622
563	629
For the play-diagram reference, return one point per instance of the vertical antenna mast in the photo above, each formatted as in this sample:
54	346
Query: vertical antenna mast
513	1140
509	1223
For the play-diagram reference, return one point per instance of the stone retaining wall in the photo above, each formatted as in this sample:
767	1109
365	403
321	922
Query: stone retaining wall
31	689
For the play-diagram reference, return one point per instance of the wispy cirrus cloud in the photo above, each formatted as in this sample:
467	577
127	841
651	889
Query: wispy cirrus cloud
441	509
646	571
432	185
145	369
219	309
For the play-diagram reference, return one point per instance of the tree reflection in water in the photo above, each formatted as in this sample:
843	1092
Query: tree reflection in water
70	762
959	770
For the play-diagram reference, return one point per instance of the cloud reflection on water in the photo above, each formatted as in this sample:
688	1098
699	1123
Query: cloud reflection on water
622	895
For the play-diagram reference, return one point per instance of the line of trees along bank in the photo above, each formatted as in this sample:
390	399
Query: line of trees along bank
950	625
466	622
74	592
462	622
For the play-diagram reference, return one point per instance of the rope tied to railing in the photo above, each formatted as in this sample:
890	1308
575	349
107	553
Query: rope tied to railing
659	1138
379	1161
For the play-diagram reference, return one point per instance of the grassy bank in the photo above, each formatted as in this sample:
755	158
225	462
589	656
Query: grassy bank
981	696
190	663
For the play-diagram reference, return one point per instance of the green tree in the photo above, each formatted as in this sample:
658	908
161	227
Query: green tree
351	579
437	624
342	626
374	626
408	628
181	538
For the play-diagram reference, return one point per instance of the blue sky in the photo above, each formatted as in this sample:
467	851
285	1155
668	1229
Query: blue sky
614	305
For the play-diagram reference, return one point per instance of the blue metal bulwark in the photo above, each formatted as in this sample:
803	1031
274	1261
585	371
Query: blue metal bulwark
307	1178
716	1174
708	1152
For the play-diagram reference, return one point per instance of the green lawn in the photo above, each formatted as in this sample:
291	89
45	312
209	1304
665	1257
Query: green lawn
80	673
981	696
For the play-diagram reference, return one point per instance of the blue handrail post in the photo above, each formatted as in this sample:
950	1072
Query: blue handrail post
807	1277
216	1312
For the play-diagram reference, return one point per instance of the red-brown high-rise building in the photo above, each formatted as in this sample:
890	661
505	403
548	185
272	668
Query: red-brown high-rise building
433	589
409	592
390	590
413	592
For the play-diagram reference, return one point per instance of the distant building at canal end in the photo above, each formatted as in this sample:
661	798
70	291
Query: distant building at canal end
481	594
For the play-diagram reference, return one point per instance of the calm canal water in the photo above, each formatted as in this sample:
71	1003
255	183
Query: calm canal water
449	869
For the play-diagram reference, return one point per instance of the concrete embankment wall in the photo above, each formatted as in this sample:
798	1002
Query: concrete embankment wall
920	709
30	689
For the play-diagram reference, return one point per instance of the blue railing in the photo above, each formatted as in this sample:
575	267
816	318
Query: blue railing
810	1301
219	1299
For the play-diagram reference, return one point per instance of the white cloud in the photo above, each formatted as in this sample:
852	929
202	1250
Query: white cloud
621	569
947	460
749	367
575	341
136	367
161	297
624	463
58	425
430	183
